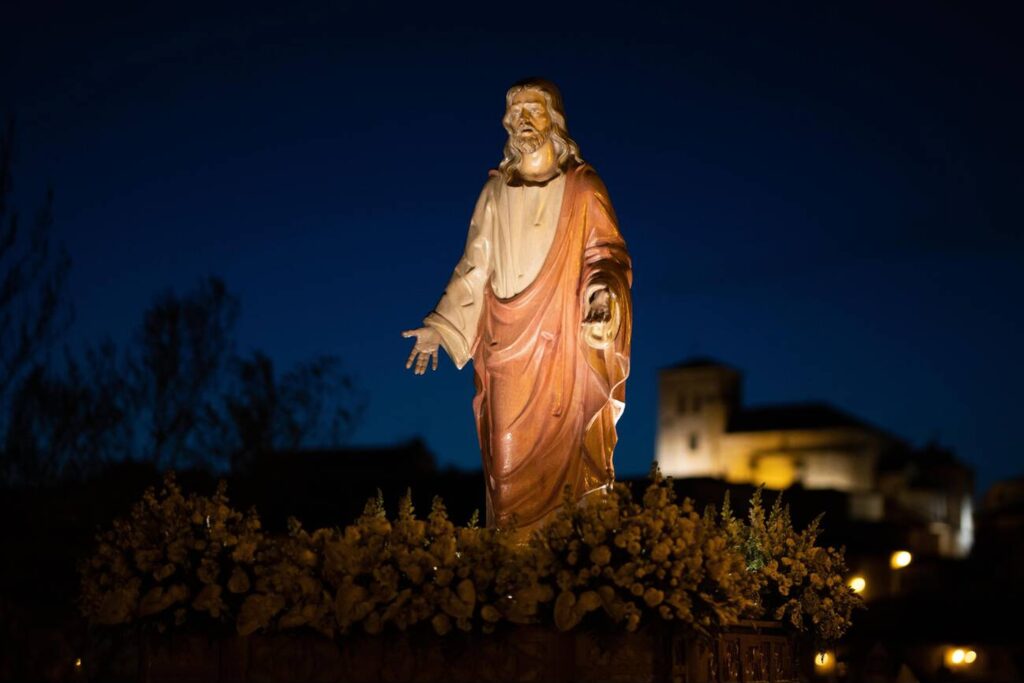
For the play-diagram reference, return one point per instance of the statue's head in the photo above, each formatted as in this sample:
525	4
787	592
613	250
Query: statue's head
534	114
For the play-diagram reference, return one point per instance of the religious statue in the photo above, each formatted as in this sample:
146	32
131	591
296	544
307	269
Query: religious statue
540	302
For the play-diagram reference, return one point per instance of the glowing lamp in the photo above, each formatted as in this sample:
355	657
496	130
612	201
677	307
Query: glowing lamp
858	584
900	559
960	656
824	662
78	663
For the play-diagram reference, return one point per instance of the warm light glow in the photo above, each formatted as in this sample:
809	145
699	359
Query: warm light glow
78	663
775	471
900	559
960	656
858	584
824	662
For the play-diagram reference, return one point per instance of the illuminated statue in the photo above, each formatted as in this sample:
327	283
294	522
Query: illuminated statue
540	301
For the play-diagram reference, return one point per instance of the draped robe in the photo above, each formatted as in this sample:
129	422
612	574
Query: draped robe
549	388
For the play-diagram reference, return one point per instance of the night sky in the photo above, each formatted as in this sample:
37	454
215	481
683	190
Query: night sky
828	198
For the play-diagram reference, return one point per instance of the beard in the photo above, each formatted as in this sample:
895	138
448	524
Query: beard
529	141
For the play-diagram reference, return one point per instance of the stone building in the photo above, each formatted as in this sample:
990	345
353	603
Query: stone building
704	430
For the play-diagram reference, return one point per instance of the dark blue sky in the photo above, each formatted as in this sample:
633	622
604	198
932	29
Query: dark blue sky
829	198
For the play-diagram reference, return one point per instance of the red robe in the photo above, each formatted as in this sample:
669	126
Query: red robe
549	388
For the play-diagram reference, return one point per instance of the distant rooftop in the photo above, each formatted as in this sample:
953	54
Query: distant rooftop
700	362
793	416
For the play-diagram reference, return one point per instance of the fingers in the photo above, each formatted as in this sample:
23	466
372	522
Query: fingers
422	355
426	359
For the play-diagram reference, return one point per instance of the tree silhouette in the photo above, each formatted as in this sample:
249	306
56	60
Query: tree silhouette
313	404
176	395
199	403
176	368
35	309
66	424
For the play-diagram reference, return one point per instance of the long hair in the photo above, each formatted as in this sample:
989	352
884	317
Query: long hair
565	147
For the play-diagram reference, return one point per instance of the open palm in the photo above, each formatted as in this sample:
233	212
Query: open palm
424	351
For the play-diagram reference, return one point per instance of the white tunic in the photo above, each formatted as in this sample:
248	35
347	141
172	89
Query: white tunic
510	234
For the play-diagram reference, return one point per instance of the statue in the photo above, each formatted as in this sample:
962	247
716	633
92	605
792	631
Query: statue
540	302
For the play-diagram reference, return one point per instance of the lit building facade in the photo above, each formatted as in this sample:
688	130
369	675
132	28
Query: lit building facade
704	430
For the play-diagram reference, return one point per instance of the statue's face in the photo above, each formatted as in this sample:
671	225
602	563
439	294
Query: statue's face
528	116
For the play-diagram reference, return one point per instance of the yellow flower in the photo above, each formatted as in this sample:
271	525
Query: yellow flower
245	550
587	602
257	611
632	621
351	604
653	597
163	572
373	624
601	555
565	616
239	581
444	576
146	559
292	619
118	605
441	623
209	600
466	591
160	598
208	571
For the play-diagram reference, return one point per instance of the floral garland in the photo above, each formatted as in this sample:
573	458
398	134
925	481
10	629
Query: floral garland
175	557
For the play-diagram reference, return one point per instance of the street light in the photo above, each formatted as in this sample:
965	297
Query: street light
857	584
900	559
960	657
824	662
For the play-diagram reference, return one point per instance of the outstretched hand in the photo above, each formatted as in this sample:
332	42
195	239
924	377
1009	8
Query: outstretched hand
424	351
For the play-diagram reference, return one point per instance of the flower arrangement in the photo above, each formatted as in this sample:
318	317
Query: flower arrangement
795	580
176	557
655	557
169	554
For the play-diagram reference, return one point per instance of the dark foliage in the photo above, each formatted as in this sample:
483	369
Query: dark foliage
177	395
34	307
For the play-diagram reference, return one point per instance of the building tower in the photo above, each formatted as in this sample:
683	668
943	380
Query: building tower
695	401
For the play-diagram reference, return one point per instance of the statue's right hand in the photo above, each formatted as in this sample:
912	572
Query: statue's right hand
424	351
